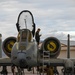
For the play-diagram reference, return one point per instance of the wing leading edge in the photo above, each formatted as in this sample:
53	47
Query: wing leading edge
5	62
55	62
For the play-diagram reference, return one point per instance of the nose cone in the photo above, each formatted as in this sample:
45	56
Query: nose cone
23	63
22	59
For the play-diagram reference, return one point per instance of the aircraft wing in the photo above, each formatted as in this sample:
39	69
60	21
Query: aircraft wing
5	62
55	62
52	62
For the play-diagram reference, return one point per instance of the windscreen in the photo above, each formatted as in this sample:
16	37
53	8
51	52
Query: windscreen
25	20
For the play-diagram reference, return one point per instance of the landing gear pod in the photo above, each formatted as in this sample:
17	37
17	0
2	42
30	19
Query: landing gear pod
8	44
53	45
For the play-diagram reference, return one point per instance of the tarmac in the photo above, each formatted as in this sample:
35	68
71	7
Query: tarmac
32	72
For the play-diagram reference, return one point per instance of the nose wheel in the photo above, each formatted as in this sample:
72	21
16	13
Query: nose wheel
20	71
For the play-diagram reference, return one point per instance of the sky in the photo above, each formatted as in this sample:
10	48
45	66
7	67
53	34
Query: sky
55	17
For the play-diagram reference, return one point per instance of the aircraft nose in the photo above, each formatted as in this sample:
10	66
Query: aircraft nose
22	59
22	63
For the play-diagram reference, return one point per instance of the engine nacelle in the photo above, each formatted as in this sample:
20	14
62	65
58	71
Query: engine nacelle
53	45
8	44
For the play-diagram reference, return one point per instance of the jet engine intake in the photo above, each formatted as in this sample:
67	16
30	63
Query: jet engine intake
8	44
53	45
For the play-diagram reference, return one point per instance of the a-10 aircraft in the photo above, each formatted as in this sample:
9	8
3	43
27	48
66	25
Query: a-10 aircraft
24	52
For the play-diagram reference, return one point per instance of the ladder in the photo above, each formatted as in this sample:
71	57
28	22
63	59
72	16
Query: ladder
46	55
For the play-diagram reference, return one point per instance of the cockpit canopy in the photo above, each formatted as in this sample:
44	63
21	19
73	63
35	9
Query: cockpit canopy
26	21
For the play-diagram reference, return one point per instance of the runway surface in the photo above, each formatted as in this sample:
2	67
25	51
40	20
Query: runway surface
33	72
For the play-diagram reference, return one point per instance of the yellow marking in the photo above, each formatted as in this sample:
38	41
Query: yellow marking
22	47
51	46
17	45
10	45
50	71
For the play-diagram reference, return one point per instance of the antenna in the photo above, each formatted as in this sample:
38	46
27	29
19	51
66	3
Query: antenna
68	47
